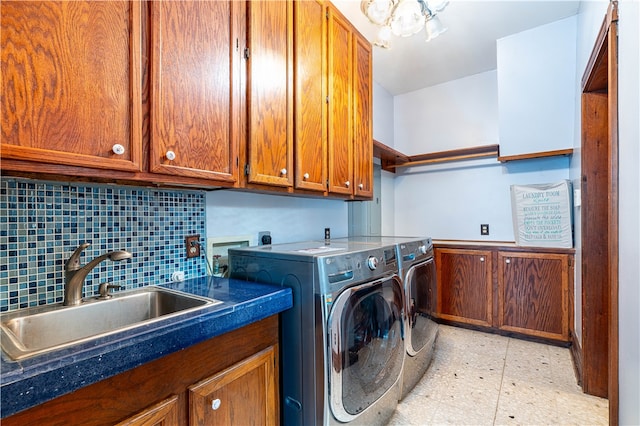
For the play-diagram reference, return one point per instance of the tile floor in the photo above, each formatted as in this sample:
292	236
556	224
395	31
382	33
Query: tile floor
484	379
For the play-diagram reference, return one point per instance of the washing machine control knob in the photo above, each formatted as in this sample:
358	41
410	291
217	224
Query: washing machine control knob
423	249
372	262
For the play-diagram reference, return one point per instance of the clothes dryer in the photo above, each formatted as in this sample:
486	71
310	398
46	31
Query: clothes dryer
417	268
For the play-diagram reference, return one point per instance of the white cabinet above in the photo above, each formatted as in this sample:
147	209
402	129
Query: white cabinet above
537	83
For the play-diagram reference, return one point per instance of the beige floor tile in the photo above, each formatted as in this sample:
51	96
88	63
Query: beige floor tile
479	378
462	414
580	409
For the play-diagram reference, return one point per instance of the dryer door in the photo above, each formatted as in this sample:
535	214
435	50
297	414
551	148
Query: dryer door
420	290
367	350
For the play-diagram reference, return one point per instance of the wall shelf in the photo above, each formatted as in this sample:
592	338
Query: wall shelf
557	153
391	159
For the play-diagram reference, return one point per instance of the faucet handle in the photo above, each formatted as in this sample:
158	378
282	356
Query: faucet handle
73	263
104	290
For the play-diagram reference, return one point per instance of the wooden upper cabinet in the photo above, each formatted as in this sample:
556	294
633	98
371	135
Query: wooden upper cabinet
362	118
465	286
340	84
71	83
533	291
310	95
195	89
270	92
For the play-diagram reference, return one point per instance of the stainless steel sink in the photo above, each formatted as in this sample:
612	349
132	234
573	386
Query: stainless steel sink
39	330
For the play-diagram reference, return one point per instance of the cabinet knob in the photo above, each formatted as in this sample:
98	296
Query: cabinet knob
170	155
306	176
283	172
347	183
507	261
215	404
482	259
118	149
361	186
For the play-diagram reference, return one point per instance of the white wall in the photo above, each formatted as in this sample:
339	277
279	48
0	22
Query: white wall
629	193
536	78
289	219
383	116
451	200
388	204
458	114
590	18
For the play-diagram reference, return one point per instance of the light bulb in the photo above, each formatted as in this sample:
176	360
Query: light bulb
434	27
384	37
407	18
377	11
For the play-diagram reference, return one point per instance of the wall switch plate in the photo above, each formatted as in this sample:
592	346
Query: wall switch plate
484	229
192	245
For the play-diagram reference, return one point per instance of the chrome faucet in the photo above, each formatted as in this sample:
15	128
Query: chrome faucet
74	274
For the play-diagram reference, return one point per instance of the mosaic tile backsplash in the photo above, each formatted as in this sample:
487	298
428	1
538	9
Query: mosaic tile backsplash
42	223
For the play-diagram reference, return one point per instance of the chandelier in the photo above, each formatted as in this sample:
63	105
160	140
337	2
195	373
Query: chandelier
404	18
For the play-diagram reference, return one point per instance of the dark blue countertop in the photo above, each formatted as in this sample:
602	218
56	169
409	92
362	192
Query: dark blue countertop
32	381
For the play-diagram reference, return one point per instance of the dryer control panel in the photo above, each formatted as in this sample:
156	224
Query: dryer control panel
347	269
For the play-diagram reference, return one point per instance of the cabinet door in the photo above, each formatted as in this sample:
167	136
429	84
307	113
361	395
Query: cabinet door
270	95
71	83
310	96
195	89
464	290
244	394
340	69
362	118
164	413
533	294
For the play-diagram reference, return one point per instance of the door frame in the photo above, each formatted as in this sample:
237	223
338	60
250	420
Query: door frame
600	290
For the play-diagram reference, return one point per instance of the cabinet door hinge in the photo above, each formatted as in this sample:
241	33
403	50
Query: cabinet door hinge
326	99
247	54
326	14
247	169
237	45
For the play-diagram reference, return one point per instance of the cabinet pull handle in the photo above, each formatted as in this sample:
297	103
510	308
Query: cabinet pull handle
283	172
482	259
361	186
507	261
306	176
170	155
118	149
215	404
347	183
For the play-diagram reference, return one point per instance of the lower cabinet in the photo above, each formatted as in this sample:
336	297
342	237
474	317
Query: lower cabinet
244	394
523	290
230	379
164	413
464	291
533	294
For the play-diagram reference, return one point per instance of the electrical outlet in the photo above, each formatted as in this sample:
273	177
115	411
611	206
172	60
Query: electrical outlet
192	245
264	238
484	229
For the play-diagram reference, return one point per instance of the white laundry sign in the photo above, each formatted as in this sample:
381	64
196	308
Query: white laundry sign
543	214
